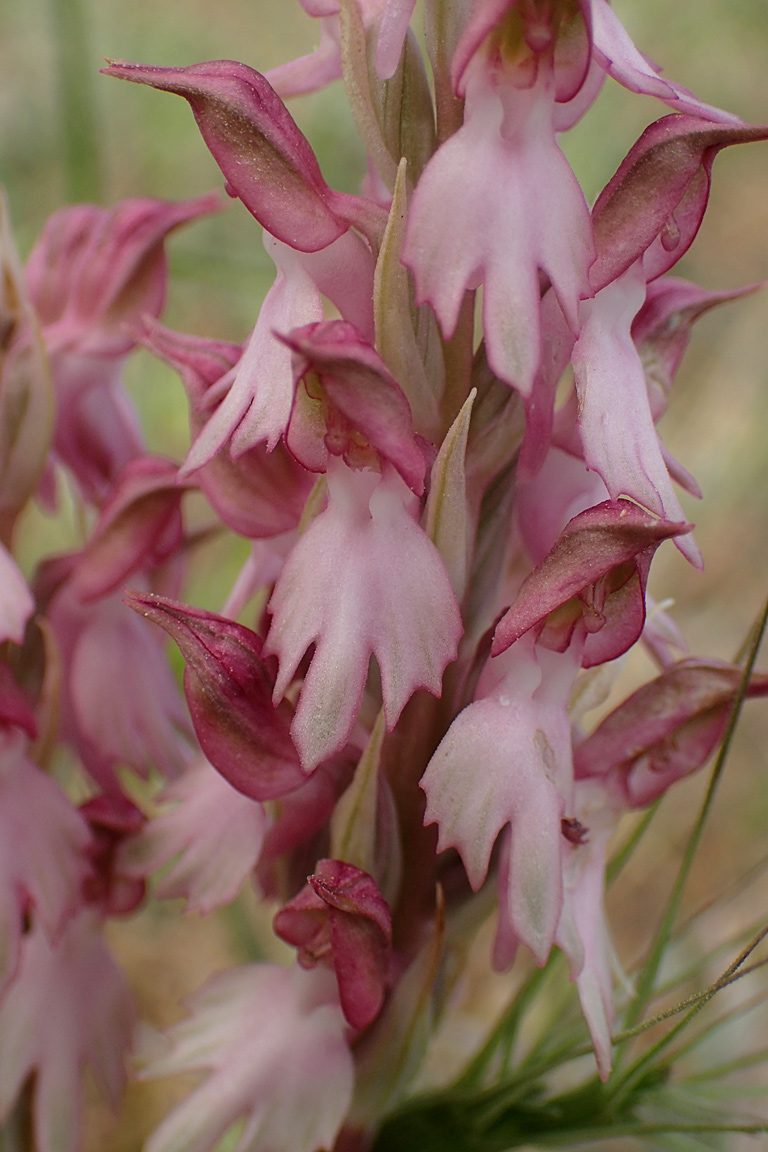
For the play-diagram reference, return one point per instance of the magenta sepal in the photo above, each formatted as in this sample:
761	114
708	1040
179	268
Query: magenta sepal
268	163
602	558
93	272
229	685
667	729
340	917
361	398
656	201
139	526
662	328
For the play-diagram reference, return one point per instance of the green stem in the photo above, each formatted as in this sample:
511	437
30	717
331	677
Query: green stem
650	970
625	852
619	1089
504	1032
78	128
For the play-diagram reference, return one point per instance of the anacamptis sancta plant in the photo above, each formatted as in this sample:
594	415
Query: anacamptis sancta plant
450	555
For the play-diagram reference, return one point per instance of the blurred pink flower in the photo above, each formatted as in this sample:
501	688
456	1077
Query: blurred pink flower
272	1041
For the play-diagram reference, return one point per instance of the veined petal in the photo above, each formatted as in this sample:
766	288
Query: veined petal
272	1041
506	759
214	833
497	205
363	580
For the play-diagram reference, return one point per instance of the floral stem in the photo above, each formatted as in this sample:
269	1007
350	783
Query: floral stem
78	129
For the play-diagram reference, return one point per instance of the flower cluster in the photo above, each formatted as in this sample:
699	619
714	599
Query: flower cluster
447	547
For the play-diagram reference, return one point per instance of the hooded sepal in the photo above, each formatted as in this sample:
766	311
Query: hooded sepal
655	203
228	685
667	729
266	160
596	571
361	404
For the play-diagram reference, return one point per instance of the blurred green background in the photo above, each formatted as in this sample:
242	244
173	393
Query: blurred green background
67	133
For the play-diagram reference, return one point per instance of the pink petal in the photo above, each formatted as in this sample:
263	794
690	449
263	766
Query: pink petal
42	859
261	493
267	1037
16	602
212	833
630	68
96	271
363	579
342	918
591	546
506	760
356	382
670	725
391	33
132	530
498	204
314	71
615	422
656	200
583	930
67	1007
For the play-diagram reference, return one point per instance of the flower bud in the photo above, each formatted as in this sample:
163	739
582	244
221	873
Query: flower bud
341	918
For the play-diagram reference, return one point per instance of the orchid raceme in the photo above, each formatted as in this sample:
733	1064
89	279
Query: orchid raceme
437	457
